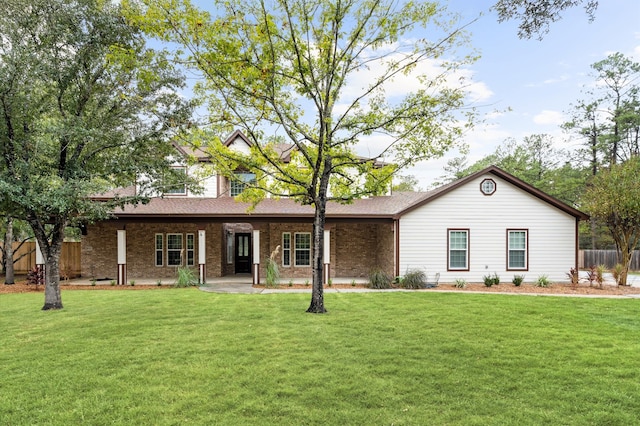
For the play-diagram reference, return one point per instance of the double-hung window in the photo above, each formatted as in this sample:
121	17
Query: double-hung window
286	249
302	248
174	249
517	253
458	250
175	185
159	249
191	249
240	181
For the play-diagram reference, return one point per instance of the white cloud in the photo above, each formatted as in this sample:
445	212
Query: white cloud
549	117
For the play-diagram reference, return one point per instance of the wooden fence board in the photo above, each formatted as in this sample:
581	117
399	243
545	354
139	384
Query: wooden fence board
609	258
70	258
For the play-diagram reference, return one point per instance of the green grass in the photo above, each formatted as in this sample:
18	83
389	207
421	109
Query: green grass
183	356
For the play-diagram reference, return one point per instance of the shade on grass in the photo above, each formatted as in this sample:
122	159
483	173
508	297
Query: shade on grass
184	356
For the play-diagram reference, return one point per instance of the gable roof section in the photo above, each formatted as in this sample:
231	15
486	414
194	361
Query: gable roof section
496	171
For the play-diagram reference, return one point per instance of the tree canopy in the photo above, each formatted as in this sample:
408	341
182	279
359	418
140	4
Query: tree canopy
318	77
86	106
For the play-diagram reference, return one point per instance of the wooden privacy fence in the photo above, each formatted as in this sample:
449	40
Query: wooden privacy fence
70	263
609	258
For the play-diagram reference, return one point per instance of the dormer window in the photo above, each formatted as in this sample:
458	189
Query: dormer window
178	187
488	186
240	181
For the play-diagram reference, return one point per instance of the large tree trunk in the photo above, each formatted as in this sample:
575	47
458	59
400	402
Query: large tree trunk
317	294
9	277
51	249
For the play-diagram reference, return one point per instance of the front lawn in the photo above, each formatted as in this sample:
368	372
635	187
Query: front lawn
182	356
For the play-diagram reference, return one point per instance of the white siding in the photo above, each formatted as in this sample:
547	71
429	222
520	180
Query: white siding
551	233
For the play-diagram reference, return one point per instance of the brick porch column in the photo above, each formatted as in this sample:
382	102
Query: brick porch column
255	271
326	256
122	257
202	258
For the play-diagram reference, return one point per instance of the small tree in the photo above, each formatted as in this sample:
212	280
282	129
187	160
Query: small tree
318	76
85	106
613	199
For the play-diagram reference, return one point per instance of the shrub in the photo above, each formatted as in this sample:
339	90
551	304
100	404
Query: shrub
273	273
414	278
600	274
616	271
379	279
517	280
35	276
573	277
592	275
490	280
460	283
543	281
186	277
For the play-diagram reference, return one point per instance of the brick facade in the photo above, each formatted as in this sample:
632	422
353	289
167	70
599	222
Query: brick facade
356	248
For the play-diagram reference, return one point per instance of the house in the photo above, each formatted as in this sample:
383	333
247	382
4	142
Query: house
488	222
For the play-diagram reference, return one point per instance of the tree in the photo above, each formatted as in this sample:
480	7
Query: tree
536	16
613	199
406	183
85	106
318	76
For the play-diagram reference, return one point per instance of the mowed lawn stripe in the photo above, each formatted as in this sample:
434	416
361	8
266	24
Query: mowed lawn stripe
184	356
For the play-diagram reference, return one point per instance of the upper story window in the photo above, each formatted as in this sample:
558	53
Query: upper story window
177	185
488	186
240	182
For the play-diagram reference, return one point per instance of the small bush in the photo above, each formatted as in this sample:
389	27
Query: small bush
112	282
186	277
574	277
273	273
600	274
517	280
460	283
379	279
35	276
543	281
592	275
414	278
616	271
132	283
490	280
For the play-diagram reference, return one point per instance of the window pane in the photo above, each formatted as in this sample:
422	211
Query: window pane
516	259
517	240
303	249
158	257
190	241
158	241
174	241
173	258
240	182
286	240
458	247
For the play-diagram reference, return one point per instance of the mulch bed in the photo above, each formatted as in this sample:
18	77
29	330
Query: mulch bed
560	289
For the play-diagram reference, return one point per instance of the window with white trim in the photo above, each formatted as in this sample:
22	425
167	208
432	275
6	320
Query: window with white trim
191	249
240	182
286	249
458	256
176	185
488	186
174	249
302	248
159	249
517	249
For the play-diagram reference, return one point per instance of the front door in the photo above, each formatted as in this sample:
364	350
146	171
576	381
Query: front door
243	253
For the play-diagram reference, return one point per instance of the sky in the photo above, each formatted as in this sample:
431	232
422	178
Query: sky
526	86
534	82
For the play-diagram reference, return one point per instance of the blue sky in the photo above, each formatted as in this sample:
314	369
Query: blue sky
533	82
536	80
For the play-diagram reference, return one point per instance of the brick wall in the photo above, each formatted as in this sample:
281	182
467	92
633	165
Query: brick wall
99	249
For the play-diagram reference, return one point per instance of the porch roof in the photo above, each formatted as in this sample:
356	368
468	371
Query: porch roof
374	207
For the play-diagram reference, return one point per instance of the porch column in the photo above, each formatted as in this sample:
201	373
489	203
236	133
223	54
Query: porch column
256	257
202	274
122	257
40	263
326	256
